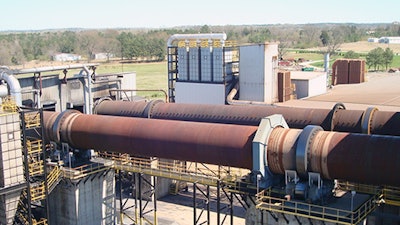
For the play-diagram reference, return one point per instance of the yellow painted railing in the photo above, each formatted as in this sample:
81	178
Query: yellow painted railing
8	104
42	221
82	171
32	119
36	168
34	146
362	188
53	177
36	164
328	214
172	169
22	213
38	192
391	195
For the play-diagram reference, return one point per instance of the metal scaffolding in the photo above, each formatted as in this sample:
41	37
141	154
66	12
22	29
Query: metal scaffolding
33	206
208	186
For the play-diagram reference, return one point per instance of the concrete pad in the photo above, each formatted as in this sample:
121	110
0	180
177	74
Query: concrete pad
381	90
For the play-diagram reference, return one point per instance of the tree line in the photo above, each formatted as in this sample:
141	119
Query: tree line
20	47
378	58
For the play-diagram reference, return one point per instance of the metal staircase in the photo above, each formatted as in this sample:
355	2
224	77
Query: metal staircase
40	181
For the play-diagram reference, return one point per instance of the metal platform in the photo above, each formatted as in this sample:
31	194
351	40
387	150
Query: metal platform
334	213
174	170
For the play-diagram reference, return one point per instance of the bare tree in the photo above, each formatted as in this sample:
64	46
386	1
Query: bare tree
331	40
88	41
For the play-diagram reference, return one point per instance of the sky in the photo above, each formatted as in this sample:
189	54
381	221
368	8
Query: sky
103	14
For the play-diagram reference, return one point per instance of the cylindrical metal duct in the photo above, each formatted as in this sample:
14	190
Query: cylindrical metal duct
14	86
370	159
337	119
219	144
281	152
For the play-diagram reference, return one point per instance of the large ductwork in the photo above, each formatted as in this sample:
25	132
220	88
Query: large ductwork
369	121
14	87
369	159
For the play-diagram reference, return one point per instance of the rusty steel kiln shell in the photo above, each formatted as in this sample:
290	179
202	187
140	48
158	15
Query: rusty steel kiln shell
370	121
369	159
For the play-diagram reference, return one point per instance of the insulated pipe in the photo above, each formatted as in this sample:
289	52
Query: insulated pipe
337	119
234	91
15	87
52	68
88	92
369	159
3	90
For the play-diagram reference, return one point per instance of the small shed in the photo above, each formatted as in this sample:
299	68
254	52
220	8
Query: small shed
309	84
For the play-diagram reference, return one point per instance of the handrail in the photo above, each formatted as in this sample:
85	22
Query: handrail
171	170
391	195
38	193
82	171
335	215
34	146
53	177
32	120
9	104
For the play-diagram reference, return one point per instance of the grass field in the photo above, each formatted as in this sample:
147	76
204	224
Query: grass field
359	47
148	76
319	58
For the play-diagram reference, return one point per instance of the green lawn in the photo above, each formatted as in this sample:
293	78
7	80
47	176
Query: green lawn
320	58
148	76
395	63
308	56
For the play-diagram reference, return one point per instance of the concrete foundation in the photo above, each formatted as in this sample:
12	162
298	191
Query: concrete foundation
89	200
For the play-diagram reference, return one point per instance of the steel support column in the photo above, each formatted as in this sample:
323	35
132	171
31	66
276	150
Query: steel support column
144	209
204	205
125	203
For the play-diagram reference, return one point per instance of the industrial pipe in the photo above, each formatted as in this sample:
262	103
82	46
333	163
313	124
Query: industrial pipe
87	92
370	121
52	68
219	144
14	86
234	91
3	90
369	159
